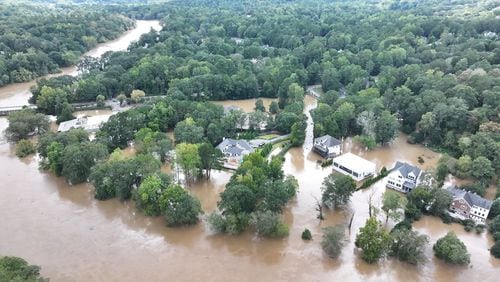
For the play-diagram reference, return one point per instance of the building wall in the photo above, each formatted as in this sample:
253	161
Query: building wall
334	151
479	214
357	173
461	207
395	180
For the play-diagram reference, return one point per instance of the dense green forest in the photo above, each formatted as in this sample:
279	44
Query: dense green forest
36	40
426	67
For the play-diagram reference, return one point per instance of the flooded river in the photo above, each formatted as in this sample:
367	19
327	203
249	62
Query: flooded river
76	238
17	94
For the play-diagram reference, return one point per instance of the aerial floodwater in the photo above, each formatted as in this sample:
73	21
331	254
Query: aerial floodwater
74	237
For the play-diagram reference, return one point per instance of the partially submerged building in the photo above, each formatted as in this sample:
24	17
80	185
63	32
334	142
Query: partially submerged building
403	177
327	146
234	151
90	124
354	166
468	205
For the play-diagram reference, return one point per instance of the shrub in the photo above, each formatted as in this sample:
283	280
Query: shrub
236	223
326	163
333	240
496	236
24	148
480	228
494	225
404	224
266	149
412	212
476	187
216	222
495	250
268	224
306	235
468	224
420	160
495	208
408	246
370	181
451	250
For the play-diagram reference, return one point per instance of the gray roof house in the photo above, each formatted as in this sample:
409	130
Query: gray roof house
234	151
469	205
327	146
403	177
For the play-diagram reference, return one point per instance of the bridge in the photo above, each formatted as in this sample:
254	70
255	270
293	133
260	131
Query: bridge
7	110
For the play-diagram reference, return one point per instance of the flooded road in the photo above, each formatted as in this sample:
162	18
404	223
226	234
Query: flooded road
76	238
17	94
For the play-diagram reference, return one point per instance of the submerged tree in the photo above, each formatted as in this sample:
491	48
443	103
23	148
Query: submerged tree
450	249
373	240
333	240
179	206
408	246
337	190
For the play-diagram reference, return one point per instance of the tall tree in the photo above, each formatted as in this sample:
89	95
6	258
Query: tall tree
373	240
187	158
210	158
392	205
337	190
386	128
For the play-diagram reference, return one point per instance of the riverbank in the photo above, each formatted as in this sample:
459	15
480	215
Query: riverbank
17	94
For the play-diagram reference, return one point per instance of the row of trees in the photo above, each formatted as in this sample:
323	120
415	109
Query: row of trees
36	40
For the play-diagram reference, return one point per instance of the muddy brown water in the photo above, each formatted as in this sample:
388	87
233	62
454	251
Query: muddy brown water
76	238
246	105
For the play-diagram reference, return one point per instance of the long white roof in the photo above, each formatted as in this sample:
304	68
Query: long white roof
353	161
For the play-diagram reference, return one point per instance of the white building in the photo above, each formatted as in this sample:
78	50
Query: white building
234	151
403	177
90	124
467	205
327	146
354	166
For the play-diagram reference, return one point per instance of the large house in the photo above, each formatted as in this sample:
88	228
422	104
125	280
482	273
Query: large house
403	177
468	205
354	166
234	151
327	146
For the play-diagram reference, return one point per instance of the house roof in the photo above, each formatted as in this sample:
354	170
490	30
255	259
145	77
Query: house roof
352	161
234	147
230	108
471	198
327	141
86	123
405	169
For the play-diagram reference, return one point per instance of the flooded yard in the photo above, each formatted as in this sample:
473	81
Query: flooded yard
77	238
